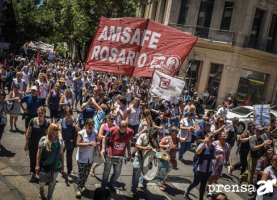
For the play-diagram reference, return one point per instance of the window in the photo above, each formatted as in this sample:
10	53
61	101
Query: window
183	12
251	85
205	13
154	10
257	22
227	16
271	38
192	75
214	79
143	9
256	29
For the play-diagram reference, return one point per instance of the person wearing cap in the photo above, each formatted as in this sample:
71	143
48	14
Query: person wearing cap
186	124
186	97
258	146
33	102
62	84
201	134
243	148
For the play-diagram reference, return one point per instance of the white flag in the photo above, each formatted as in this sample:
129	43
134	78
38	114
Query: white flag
166	87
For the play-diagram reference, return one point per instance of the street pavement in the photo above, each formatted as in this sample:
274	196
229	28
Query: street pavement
15	176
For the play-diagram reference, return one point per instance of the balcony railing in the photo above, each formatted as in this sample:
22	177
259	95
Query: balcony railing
207	33
259	44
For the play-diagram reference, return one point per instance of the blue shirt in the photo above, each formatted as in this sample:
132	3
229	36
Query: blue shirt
186	98
78	82
97	118
32	103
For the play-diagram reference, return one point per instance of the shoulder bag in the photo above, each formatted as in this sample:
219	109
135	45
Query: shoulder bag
46	174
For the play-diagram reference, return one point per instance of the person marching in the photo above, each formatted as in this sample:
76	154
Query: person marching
146	141
120	138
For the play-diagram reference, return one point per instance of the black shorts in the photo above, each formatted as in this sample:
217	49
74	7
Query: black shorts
54	113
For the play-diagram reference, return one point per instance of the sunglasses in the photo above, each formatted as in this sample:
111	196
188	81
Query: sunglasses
212	137
90	124
56	129
111	118
40	113
16	87
221	122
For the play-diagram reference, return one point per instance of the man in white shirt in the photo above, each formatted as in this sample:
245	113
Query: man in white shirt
222	112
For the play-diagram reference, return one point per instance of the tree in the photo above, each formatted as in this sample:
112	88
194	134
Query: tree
71	21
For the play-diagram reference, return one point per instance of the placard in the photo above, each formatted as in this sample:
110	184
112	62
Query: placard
261	114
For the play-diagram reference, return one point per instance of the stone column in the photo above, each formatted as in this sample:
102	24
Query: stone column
167	12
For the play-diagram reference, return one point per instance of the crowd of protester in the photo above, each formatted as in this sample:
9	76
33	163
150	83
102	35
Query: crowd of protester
116	112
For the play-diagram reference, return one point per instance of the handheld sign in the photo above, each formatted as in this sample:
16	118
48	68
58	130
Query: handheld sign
261	114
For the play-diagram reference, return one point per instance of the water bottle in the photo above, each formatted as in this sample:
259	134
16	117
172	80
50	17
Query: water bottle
27	153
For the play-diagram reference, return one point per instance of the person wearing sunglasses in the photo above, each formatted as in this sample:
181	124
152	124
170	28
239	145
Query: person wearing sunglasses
87	141
37	128
69	127
15	96
222	150
49	148
203	166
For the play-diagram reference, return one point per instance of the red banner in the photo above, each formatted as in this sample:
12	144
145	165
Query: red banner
133	47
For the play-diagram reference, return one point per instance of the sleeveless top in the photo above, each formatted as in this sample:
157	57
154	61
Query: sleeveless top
106	130
67	100
173	151
54	101
68	133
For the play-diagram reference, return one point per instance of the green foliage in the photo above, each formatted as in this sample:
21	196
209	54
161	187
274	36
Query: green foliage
59	21
61	49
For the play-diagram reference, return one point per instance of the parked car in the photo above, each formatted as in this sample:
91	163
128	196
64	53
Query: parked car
245	115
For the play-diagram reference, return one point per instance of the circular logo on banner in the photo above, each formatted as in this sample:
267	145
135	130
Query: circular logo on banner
167	64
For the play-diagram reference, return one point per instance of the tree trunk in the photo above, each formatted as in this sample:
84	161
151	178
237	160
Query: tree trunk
79	52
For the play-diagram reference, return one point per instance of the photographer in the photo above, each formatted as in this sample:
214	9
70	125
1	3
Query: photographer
88	90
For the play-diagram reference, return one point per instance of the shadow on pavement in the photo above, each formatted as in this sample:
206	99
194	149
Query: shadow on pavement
187	162
146	194
5	153
177	179
173	191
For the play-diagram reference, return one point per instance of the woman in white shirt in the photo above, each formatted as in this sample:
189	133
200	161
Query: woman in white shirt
44	86
186	127
26	76
87	142
69	79
134	112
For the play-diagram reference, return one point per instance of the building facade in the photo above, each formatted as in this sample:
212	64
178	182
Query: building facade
237	47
